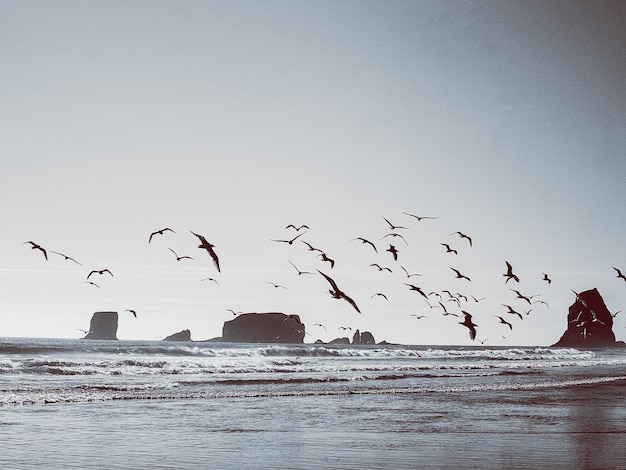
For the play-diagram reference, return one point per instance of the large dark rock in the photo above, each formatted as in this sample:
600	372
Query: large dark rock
103	326
264	328
184	335
589	323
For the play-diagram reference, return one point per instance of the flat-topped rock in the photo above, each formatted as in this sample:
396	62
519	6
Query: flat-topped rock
272	327
103	326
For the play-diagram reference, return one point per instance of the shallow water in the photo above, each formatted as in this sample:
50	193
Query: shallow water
301	408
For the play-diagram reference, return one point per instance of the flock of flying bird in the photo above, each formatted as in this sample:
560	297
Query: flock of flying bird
435	299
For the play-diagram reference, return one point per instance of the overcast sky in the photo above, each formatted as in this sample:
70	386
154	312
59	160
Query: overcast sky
504	120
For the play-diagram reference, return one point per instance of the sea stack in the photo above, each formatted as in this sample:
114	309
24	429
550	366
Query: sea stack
269	327
589	323
184	335
103	326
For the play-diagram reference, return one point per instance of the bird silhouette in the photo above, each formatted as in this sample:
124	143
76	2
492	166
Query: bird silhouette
178	258
92	283
477	300
513	311
131	311
462	235
275	285
325	257
416	289
297	229
380	268
448	249
380	294
504	322
365	241
419	218
527	298
210	279
394	227
393	234
619	273
300	273
311	247
319	324
392	249
337	293
509	273
407	273
289	242
471	326
99	271
546	278
459	275
419	317
160	232
67	258
35	246
205	245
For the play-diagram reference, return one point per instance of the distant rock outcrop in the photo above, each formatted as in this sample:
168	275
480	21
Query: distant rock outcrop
103	326
589	323
363	338
269	327
184	335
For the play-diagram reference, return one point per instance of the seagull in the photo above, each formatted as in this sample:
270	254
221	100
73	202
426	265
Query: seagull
297	229
366	241
34	246
92	283
67	258
417	289
396	235
311	248
326	258
336	293
509	273
204	244
477	300
546	278
101	271
381	295
160	232
462	235
513	312
619	273
393	227
275	285
615	314
289	242
392	249
483	341
344	328
459	275
407	273
300	273
469	324
419	317
178	258
210	279
232	311
319	324
527	298
381	268
504	322
541	302
448	249
419	218
131	311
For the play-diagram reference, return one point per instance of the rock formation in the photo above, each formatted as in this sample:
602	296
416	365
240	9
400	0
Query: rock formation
589	323
264	328
103	326
363	338
184	335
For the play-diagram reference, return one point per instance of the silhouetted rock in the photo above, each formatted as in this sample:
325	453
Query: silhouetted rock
367	338
103	326
344	340
184	335
356	337
589	323
264	328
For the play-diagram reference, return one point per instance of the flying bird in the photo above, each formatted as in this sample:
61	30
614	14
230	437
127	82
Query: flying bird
381	295
205	245
416	289
336	293
462	235
477	300
210	279
289	242
504	322
419	218
546	278
311	247
160	232
92	283
419	317
392	249
67	258
448	249
471	326
377	266
275	285
619	273
393	227
527	298
407	273
459	275
99	271
365	241
319	324
512	311
300	273
297	229
35	246
344	328
395	235
178	258
131	311
509	273
326	258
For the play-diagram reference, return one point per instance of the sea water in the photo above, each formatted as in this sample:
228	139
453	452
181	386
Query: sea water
153	404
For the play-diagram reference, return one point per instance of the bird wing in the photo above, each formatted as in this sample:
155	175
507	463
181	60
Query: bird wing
350	301
330	280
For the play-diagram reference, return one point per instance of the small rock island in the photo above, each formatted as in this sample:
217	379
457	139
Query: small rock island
269	327
103	326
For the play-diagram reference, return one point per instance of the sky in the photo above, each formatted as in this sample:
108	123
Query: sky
505	121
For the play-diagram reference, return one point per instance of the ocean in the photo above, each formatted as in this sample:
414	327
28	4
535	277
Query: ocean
163	405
